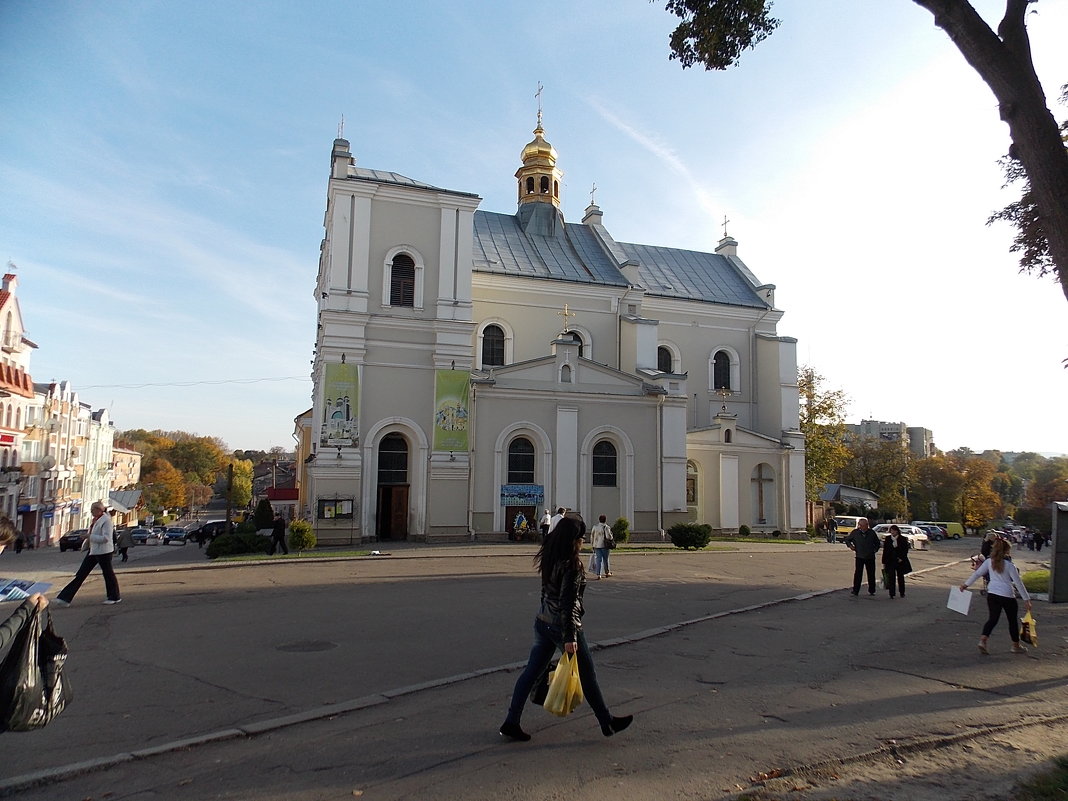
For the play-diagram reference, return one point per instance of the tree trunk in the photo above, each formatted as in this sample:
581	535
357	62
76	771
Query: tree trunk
1003	61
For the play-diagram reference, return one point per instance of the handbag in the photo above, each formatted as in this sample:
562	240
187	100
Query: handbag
33	688
565	688
1029	630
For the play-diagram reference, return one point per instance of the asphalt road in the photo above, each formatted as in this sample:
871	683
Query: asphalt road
387	677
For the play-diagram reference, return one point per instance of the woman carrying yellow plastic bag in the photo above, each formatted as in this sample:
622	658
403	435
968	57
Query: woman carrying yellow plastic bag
1029	629
558	627
565	688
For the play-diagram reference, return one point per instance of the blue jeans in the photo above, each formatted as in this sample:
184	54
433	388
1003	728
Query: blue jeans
90	561
600	561
547	639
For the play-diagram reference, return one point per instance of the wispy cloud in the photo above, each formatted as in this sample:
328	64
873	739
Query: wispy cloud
663	153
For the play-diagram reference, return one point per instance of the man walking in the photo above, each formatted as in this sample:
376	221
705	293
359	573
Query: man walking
101	546
864	543
278	535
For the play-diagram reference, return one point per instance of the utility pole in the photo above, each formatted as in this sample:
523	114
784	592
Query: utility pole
229	495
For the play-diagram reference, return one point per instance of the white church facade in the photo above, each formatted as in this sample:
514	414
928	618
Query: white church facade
472	369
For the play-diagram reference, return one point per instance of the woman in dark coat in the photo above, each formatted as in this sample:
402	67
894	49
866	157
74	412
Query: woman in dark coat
896	560
559	625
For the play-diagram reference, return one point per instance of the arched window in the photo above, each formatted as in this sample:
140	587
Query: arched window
565	374
556	189
545	184
492	346
691	484
663	359
402	281
530	185
604	464
393	460
575	337
728	436
520	461
721	370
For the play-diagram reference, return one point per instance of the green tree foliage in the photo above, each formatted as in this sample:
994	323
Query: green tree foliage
199	457
241	490
715	33
621	530
882	467
301	536
934	489
823	424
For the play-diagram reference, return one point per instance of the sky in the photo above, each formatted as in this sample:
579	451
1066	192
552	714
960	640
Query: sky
163	170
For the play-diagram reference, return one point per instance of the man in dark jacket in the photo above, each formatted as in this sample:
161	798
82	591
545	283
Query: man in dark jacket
864	543
278	535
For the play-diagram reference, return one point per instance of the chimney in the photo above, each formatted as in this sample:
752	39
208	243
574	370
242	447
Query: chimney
341	159
727	246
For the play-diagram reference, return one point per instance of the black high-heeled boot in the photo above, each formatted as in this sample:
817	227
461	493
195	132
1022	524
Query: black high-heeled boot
616	725
514	732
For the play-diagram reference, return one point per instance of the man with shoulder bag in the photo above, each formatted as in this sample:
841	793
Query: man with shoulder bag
602	541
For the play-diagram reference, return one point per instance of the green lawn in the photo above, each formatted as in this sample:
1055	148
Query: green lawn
1036	580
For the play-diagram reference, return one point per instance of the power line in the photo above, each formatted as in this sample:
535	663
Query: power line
196	383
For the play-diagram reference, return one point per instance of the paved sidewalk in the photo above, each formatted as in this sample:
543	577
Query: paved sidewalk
724	620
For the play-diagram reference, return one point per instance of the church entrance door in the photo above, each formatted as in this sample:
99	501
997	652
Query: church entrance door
392	515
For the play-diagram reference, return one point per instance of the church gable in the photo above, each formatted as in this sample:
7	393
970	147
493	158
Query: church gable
548	373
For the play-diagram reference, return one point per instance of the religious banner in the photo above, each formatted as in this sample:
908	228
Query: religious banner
522	494
451	393
341	406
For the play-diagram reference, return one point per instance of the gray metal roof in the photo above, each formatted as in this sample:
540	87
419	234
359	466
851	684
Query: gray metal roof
550	248
570	253
692	274
385	177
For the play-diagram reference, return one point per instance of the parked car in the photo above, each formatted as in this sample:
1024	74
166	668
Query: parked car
954	530
916	536
936	533
174	534
72	540
210	530
144	536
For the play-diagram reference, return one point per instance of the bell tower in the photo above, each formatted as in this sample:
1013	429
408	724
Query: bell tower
539	179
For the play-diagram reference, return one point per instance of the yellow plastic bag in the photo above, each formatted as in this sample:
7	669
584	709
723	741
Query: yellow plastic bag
565	689
1029	630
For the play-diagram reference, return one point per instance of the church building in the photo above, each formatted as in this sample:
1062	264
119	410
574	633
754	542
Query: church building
474	368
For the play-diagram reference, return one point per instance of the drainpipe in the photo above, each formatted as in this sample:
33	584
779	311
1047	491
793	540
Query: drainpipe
660	465
470	464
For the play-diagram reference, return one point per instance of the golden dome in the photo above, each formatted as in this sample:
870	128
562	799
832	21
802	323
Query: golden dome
539	149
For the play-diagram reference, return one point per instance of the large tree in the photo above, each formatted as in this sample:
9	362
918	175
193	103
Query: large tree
716	32
882	467
823	424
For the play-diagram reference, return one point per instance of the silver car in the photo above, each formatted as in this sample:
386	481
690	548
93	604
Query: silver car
916	536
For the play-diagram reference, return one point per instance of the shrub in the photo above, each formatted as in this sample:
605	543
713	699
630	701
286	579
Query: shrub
621	530
238	543
301	536
745	531
690	536
247	526
811	531
264	514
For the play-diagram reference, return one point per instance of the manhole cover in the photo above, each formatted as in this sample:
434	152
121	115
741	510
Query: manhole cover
307	646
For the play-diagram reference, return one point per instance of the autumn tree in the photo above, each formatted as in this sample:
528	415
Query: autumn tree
823	424
715	33
162	485
198	457
241	489
880	466
935	485
979	504
1049	483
